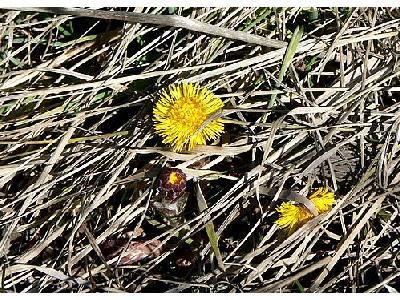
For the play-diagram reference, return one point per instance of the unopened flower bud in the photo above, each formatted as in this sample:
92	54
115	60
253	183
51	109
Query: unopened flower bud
172	182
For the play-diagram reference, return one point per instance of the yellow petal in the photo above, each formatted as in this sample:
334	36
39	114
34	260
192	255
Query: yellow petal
292	217
323	199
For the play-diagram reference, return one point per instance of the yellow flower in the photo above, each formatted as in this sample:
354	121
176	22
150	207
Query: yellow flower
180	113
323	200
293	216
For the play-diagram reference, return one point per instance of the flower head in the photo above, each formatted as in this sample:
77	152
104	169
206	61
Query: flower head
181	113
323	200
293	215
172	182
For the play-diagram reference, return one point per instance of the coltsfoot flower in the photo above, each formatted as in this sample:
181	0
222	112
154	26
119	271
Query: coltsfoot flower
293	215
172	182
323	200
171	196
181	113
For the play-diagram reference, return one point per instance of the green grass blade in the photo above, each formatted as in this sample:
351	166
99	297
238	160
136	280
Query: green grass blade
212	235
287	59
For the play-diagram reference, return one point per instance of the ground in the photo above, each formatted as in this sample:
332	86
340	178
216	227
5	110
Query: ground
88	202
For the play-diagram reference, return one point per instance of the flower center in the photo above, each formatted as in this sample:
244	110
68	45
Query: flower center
188	113
174	178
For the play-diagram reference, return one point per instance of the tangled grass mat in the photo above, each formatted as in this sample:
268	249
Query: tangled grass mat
199	150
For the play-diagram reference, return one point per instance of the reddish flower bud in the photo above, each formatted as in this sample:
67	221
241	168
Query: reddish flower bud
172	182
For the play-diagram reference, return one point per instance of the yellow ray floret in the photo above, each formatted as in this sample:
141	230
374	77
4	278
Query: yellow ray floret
323	199
293	216
181	113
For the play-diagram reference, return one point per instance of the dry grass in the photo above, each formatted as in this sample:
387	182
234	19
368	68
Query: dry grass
79	158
